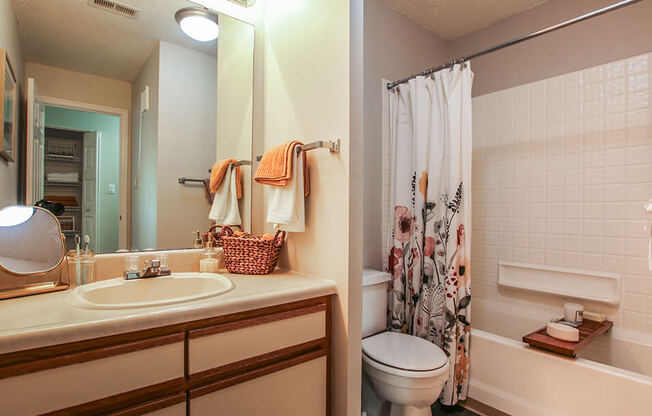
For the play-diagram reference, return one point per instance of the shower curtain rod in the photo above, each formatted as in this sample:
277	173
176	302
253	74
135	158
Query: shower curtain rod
523	38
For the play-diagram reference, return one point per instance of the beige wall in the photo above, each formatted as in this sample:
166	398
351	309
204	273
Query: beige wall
254	15
235	86
306	96
394	47
143	181
617	35
181	117
356	136
9	171
186	142
78	86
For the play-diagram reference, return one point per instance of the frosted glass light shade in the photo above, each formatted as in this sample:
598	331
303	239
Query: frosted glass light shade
200	24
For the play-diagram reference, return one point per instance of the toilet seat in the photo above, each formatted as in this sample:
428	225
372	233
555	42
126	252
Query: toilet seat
404	355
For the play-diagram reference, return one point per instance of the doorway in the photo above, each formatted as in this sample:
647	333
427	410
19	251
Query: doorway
81	169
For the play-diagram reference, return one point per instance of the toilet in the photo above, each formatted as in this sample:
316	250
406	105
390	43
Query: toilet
404	370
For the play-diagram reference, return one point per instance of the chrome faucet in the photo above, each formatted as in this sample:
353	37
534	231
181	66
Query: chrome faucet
152	269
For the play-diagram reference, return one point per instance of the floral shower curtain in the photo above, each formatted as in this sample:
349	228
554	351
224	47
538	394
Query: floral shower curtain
428	243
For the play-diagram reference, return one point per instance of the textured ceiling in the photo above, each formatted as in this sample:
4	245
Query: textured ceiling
71	34
452	19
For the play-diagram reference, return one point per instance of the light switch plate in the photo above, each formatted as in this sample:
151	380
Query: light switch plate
112	188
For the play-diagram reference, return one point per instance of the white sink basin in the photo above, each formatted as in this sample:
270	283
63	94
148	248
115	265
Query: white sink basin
156	291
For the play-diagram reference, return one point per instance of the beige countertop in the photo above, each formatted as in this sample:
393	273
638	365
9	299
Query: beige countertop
46	319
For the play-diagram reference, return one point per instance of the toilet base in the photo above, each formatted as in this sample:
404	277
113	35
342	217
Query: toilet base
405	410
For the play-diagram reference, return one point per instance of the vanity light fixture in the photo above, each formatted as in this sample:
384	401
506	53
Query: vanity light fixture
15	215
198	23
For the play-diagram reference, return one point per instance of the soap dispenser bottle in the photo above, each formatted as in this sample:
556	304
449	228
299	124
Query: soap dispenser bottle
209	259
198	242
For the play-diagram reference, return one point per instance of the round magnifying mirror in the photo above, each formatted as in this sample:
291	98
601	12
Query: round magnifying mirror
31	238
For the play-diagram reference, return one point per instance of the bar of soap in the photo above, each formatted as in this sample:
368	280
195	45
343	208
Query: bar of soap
563	332
592	316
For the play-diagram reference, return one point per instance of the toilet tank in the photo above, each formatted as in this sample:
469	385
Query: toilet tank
374	301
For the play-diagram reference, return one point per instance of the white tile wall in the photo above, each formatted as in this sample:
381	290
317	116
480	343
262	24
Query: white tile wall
561	169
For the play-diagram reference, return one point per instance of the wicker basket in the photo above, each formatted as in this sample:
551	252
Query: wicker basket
251	254
215	234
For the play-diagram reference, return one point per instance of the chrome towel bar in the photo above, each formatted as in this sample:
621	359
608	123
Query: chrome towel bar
332	144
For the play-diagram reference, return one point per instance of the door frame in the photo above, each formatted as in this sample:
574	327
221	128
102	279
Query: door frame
30	155
123	194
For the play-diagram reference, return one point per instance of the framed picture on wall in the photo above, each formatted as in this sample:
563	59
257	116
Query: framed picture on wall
8	108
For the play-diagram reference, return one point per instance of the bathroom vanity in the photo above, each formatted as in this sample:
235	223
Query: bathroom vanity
263	348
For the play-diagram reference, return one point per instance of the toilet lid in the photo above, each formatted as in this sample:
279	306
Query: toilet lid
403	351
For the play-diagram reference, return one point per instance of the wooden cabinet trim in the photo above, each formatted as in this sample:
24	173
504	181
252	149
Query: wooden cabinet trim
253	363
80	357
151	406
260	320
241	316
329	354
122	400
256	373
35	354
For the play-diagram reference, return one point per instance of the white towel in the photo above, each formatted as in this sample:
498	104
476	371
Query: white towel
285	204
72	177
225	208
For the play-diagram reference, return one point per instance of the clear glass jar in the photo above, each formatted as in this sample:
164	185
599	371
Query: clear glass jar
209	260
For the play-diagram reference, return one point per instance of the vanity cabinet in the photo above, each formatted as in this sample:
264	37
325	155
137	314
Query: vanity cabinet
297	390
268	361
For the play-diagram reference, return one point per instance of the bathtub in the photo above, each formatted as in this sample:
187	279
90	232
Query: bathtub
612	376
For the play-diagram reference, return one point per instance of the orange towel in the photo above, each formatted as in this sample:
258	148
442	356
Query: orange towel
219	170
275	167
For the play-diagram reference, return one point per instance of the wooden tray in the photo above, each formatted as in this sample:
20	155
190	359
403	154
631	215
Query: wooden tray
589	330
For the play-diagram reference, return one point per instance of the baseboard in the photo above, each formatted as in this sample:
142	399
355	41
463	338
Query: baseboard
480	408
503	402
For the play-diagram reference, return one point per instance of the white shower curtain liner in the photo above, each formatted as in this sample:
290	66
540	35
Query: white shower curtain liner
427	213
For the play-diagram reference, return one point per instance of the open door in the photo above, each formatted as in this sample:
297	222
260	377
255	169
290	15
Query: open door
34	149
90	188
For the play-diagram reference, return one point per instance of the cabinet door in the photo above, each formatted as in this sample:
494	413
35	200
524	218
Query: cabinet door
299	390
90	377
235	342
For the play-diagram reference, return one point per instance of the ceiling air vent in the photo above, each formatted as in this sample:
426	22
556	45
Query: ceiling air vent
115	7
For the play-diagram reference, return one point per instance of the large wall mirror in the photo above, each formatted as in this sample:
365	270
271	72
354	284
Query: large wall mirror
126	114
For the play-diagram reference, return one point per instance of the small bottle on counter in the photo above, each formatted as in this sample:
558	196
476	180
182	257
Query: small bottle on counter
197	242
209	259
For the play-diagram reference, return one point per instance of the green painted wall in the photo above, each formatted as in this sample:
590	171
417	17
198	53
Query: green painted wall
109	126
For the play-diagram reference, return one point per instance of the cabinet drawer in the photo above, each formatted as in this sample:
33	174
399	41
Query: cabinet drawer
173	405
89	376
224	344
293	391
176	410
